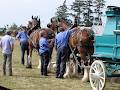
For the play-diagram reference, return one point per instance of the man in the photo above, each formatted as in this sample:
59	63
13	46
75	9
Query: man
23	38
44	51
7	46
61	43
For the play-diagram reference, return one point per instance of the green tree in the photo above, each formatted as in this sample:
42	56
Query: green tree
62	11
83	11
87	12
98	6
76	7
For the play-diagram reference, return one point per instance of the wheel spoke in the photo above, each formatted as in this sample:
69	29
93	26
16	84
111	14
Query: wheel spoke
102	83
95	82
99	68
102	78
93	76
100	86
102	74
97	85
93	69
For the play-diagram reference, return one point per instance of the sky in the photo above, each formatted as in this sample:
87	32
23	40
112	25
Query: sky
20	11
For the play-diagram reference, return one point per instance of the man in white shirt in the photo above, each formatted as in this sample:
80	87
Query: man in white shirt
7	45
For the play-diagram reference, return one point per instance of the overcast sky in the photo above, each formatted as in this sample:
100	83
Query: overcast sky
20	11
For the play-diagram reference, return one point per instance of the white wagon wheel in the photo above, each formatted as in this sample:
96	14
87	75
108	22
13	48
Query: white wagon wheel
97	75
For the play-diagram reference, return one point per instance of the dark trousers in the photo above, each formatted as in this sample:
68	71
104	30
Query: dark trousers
62	57
24	47
45	57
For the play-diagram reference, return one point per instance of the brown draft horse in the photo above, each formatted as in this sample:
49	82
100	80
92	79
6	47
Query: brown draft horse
34	36
81	40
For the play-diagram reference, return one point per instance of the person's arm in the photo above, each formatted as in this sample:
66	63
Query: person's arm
52	43
1	44
12	44
49	43
18	36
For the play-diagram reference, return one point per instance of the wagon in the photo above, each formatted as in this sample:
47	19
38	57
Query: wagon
107	50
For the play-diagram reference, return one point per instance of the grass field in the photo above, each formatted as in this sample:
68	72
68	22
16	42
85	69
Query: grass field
30	79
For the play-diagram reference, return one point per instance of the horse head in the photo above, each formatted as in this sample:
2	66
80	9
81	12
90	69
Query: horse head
50	33
35	23
29	25
54	24
84	36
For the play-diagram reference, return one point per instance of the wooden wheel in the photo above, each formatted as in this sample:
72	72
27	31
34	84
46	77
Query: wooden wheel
97	75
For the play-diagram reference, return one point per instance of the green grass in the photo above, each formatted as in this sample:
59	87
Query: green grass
30	79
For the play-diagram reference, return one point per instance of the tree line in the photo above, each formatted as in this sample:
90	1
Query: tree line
86	12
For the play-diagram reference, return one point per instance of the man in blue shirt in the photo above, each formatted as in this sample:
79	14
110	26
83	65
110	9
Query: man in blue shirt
23	38
61	44
44	51
7	45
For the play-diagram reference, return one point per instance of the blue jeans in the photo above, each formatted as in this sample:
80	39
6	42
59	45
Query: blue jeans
7	59
62	57
45	57
24	47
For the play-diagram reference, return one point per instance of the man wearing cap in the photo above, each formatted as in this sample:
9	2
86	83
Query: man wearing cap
61	44
7	45
23	38
44	51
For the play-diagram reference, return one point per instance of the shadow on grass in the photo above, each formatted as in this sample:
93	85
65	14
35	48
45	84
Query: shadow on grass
4	88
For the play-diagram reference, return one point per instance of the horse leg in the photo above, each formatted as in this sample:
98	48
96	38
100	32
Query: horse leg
90	52
83	63
75	68
67	73
50	65
86	74
29	64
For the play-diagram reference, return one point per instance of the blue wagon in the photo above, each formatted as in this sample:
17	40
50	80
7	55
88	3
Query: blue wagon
107	50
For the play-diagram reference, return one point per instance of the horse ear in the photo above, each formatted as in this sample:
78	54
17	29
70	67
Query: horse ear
39	23
32	17
51	20
39	20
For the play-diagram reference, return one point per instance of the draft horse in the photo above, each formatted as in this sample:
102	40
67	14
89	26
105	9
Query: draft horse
34	36
81	41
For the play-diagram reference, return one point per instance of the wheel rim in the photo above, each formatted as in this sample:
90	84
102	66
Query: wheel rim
97	75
